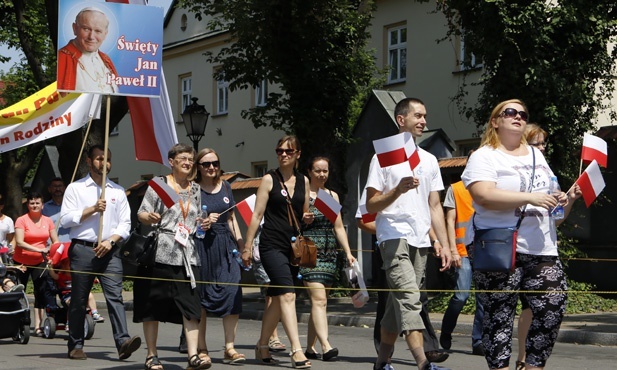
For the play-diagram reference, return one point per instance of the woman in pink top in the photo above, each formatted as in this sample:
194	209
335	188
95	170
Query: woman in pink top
32	232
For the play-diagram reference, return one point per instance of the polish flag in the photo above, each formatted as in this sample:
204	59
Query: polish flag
327	205
366	216
411	150
594	148
58	252
154	131
164	191
246	208
390	150
591	183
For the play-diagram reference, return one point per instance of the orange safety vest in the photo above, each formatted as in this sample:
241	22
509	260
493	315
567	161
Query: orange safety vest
464	213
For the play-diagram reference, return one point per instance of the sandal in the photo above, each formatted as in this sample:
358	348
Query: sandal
153	363
520	365
196	363
204	355
234	358
38	332
276	345
264	360
306	364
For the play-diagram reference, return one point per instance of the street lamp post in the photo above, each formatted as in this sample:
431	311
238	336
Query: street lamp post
195	118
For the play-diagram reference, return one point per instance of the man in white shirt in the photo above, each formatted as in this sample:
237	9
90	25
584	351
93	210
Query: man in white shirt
82	208
407	205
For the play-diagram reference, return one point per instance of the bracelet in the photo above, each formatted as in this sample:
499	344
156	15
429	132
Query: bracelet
246	250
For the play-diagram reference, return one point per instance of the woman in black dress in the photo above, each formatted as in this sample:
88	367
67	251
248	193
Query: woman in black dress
275	247
222	295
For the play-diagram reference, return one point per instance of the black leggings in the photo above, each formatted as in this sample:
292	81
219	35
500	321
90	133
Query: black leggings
532	273
38	274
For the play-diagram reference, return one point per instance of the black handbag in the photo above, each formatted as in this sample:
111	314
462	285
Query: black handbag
494	250
140	250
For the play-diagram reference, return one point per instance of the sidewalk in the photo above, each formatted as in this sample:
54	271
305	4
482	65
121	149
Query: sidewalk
593	329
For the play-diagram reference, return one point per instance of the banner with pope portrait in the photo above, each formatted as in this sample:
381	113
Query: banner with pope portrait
109	48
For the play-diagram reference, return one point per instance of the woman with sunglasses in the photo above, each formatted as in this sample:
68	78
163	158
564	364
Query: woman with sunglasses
221	295
537	138
502	179
320	278
277	186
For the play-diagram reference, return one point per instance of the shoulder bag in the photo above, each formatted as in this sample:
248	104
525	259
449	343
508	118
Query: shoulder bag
139	249
304	251
494	250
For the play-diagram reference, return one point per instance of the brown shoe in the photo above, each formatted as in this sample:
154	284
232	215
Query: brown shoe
128	347
77	354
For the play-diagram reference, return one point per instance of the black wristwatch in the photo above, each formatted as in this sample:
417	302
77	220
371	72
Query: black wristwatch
112	243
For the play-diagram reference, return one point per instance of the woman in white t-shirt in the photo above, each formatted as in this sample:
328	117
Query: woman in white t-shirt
498	176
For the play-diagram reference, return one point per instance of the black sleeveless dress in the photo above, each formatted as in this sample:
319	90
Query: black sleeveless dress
275	239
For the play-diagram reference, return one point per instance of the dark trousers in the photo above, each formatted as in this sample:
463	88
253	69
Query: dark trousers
85	266
431	343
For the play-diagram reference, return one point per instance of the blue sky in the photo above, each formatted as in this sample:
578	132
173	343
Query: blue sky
15	55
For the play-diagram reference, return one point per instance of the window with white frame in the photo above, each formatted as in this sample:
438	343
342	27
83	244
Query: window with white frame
467	59
186	91
261	93
222	95
259	168
397	54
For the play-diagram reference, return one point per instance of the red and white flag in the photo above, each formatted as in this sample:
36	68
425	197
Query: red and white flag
594	148
58	251
164	191
366	216
154	131
411	150
591	183
246	208
390	150
327	205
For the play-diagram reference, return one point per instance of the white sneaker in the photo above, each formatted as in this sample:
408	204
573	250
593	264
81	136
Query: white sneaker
98	318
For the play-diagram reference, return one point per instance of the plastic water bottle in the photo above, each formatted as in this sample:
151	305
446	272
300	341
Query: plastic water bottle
557	213
238	259
200	233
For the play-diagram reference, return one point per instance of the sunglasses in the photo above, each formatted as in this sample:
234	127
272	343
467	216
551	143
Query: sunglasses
214	164
511	113
280	151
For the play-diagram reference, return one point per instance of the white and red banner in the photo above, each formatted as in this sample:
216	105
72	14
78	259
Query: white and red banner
366	216
327	205
246	209
594	148
45	114
167	194
390	150
591	183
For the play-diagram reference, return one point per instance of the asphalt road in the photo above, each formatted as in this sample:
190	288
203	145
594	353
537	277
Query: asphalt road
355	345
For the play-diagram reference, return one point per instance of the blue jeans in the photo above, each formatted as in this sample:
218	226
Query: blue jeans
458	300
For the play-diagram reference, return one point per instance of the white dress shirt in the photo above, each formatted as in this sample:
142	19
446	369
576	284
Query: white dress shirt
84	193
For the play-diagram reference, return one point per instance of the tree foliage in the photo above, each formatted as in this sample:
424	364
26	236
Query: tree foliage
554	55
315	51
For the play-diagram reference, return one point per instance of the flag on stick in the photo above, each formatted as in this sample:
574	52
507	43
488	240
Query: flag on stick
591	183
246	209
390	150
164	191
594	148
411	150
366	216
327	205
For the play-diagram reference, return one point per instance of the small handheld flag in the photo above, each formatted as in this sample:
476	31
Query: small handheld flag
164	191
591	183
327	205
